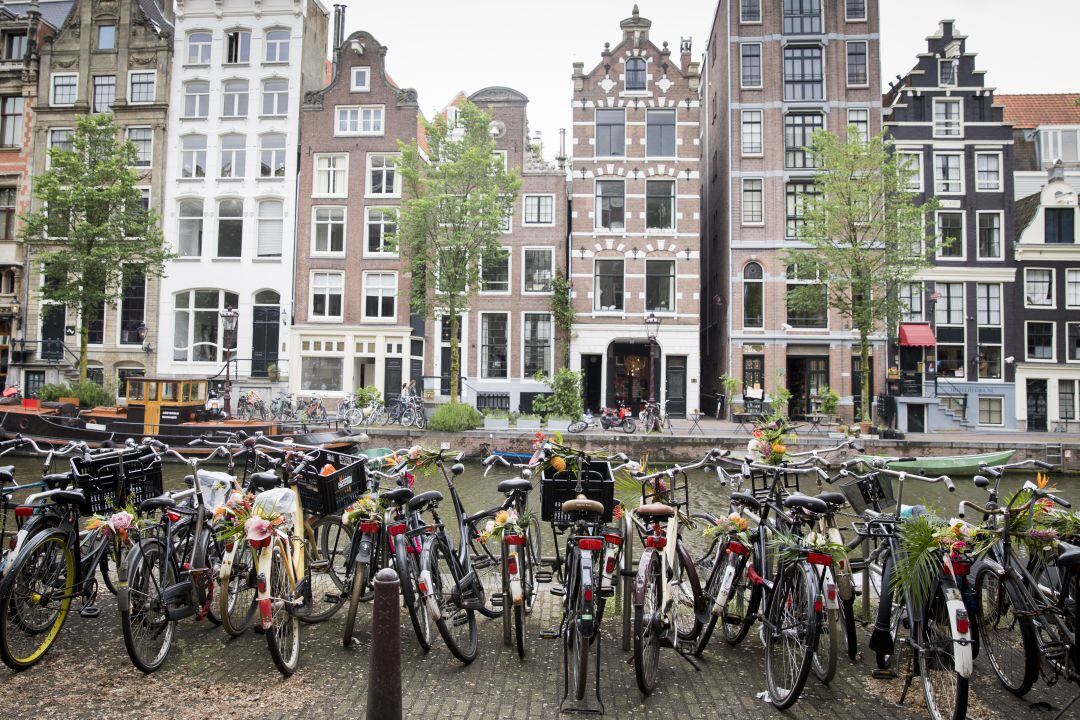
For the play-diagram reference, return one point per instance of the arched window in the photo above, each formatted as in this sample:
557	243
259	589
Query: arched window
270	228
197	324
753	296
191	227
199	44
193	156
230	242
277	46
635	73
237	46
265	330
196	99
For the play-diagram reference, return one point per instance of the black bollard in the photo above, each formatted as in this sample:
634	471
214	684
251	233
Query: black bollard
384	677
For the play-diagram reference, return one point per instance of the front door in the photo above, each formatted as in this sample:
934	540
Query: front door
806	377
676	386
592	378
53	319
392	377
265	329
916	418
1036	405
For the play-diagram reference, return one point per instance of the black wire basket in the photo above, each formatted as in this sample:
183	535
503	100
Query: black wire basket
868	492
597	483
112	481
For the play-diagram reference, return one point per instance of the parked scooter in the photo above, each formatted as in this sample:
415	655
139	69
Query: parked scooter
610	418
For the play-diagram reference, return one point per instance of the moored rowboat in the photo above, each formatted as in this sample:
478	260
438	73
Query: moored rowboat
949	464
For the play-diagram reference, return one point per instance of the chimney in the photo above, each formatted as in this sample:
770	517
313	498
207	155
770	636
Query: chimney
561	158
685	45
1057	172
339	26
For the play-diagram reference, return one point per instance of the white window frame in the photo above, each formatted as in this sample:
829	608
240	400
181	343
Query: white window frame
267	42
864	18
234	99
312	317
525	210
364	296
367	176
184	97
52	89
761	132
480	346
937	189
344	190
127	136
508	252
960	122
963	236
263	95
356	87
847	69
551	253
1001	235
750	22
260	219
742	202
359	132
273	151
1000	399
866	138
551	346
131	84
1053	342
188	47
595	299
955	63
1068	360
237	171
963	305
315	252
367	213
1077	273
1053	289
1000	308
1000	172
918	177
919	292
761	57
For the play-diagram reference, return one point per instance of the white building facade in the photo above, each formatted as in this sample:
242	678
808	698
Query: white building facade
240	70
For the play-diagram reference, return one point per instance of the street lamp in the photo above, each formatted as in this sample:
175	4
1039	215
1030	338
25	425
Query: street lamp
229	316
652	326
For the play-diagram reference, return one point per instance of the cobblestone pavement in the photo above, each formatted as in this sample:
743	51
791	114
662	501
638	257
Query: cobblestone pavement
87	674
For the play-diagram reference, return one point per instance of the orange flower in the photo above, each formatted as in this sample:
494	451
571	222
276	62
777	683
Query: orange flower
779	448
501	517
558	463
1042	480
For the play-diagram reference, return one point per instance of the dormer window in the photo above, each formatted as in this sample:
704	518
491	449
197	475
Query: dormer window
947	72
361	79
1060	226
635	73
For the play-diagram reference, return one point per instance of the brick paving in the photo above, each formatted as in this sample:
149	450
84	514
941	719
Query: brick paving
87	674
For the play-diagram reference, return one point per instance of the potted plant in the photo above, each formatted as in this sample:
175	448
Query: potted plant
272	372
528	421
563	405
496	419
731	386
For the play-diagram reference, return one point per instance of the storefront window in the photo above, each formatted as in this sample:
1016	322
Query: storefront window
322	374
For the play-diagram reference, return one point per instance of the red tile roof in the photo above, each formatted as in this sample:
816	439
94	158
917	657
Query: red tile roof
1030	111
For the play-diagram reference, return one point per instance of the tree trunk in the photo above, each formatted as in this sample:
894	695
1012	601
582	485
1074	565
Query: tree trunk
864	373
455	358
84	340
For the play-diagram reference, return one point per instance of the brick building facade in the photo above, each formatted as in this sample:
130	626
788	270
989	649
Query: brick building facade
634	242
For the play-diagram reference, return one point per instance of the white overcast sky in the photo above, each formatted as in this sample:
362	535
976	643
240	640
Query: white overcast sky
440	47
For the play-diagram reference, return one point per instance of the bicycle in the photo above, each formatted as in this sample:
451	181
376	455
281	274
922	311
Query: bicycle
281	407
667	588
55	564
171	573
250	406
311	410
653	417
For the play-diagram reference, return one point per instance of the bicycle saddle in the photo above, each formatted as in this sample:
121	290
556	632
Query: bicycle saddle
7	473
68	497
832	498
53	481
514	485
746	499
162	502
1070	556
425	498
266	480
582	504
657	510
805	502
398	496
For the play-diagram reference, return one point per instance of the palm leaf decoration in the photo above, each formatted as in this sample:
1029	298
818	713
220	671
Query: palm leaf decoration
919	563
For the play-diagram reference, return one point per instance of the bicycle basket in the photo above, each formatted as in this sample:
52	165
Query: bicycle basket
673	491
556	487
114	480
761	483
324	495
863	493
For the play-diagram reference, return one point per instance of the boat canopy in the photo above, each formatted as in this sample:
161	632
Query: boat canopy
166	390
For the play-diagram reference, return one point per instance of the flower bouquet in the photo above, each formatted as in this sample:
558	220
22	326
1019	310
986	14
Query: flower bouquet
240	517
119	524
929	544
767	444
505	522
366	507
733	526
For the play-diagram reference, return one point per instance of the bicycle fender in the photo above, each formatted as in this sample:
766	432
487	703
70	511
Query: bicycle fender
642	576
994	565
364	553
266	606
963	661
701	605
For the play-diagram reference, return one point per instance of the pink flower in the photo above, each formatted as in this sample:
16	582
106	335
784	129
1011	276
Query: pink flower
258	528
414	452
121	521
410	478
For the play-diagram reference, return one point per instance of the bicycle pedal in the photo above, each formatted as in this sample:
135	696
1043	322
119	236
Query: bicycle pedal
885	674
481	562
549	634
606	592
557	591
319	565
332	598
542	577
91	611
496	599
460	620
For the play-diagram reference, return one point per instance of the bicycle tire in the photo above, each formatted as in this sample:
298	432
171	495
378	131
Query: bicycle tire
687	597
712	589
648	612
408	571
520	629
996	602
329	582
353	417
745	600
283	636
578	656
791	605
945	690
850	629
577	427
439	566
238	592
359	580
111	567
629	426
12	624
487	565
827	647
144	562
534	546
201	557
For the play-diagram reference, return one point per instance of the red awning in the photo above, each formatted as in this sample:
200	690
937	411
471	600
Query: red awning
916	335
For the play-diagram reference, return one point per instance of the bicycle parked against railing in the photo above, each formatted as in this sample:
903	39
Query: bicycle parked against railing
311	410
281	407
251	406
655	418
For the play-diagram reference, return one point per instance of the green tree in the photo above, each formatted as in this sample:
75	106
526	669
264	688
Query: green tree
863	236
458	193
91	229
562	309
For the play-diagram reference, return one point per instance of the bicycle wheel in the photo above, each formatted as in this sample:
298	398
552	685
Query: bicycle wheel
359	580
408	570
144	618
353	417
283	637
577	426
111	566
827	648
790	634
533	547
205	563
329	575
686	593
486	560
243	411
712	590
420	419
1009	638
578	657
36	595
629	425
648	623
456	624
848	628
737	616
238	590
945	690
